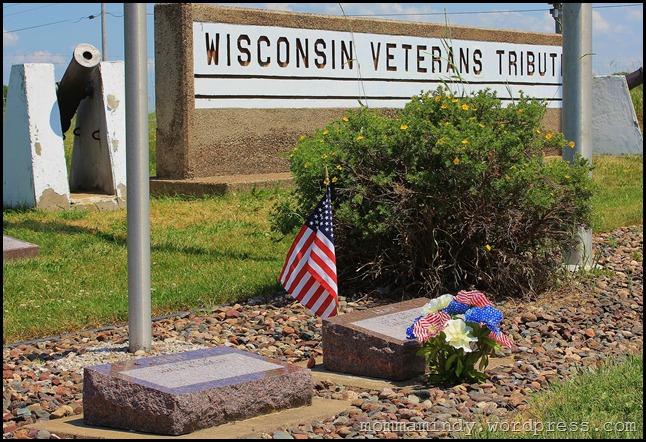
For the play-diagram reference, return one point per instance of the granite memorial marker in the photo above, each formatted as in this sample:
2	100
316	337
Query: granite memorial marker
181	393
373	342
13	248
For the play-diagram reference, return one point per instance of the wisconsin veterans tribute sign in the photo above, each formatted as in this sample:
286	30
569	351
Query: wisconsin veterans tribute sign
235	88
248	66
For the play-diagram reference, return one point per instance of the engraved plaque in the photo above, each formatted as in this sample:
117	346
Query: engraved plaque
196	371
393	325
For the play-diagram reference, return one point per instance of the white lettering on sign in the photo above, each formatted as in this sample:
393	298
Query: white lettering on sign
247	66
197	371
393	325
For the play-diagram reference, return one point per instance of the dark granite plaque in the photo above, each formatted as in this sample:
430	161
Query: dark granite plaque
13	248
373	342
184	392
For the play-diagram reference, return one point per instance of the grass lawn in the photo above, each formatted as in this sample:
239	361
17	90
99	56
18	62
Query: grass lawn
204	251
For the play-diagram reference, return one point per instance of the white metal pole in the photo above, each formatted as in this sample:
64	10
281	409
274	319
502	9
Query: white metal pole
137	177
577	104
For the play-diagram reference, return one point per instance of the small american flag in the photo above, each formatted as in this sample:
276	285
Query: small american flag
309	273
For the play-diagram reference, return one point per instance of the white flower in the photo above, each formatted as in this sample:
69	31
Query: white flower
437	304
458	334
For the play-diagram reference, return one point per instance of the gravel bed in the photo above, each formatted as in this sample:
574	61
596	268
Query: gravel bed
556	335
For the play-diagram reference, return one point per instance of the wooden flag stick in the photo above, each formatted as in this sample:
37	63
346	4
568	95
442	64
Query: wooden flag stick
327	178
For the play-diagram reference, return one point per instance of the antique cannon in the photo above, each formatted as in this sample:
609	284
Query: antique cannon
635	78
76	82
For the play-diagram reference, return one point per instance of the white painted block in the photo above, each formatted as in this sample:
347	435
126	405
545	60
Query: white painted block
615	130
99	154
34	172
113	93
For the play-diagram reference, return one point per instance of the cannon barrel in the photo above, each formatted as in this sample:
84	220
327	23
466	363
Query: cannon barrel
635	78
73	87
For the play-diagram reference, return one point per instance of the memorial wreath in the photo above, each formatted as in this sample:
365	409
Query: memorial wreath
458	335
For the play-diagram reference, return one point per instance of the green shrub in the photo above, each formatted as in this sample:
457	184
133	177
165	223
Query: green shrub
445	194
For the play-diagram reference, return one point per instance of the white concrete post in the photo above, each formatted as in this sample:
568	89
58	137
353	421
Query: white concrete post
34	173
99	154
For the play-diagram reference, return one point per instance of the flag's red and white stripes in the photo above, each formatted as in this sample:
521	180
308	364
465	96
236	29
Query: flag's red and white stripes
309	273
430	326
474	297
502	339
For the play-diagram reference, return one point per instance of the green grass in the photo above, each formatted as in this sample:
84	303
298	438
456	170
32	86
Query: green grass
602	403
620	199
637	97
204	251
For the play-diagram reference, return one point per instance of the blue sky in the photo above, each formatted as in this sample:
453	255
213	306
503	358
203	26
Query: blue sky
48	32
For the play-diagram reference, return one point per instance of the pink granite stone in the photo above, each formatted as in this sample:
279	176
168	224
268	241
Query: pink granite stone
181	393
13	248
373	342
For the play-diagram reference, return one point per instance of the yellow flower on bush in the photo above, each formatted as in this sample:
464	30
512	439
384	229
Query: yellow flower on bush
360	137
465	141
548	136
335	179
488	247
302	137
456	161
571	144
338	166
324	156
465	107
325	132
345	119
438	98
481	125
403	127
